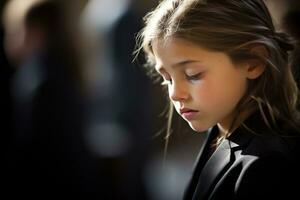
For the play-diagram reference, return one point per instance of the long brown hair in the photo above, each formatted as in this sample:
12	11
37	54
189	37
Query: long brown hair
233	27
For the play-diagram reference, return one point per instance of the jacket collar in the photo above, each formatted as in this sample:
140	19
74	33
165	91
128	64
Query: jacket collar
200	162
222	158
252	126
213	169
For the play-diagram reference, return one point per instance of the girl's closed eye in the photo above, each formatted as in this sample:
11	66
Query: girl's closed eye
194	77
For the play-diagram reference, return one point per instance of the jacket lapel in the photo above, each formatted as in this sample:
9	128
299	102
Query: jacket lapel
209	171
200	162
220	161
213	170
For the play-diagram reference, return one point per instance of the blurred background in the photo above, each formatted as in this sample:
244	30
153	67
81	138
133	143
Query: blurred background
80	118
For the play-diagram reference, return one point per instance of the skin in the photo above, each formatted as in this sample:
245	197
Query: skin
202	80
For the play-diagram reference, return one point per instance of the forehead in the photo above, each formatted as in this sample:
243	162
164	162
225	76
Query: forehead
170	50
175	50
177	45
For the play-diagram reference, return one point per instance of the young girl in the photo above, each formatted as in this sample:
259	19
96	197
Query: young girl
227	71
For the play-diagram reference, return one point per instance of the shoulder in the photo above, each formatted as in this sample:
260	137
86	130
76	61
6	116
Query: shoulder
280	140
284	145
269	150
266	176
269	167
268	144
265	154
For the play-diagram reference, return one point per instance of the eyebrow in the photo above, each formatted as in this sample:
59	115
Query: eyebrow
179	64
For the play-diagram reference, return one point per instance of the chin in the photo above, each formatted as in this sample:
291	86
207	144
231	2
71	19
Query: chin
199	127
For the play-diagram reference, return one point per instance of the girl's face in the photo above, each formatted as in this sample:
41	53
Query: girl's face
204	86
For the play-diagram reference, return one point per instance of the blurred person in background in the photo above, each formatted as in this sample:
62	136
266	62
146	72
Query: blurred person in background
6	72
131	82
121	128
48	154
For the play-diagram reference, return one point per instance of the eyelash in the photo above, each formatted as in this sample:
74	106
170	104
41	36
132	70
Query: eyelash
194	77
189	78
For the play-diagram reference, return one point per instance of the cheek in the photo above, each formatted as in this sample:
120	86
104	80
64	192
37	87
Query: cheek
217	93
208	94
236	87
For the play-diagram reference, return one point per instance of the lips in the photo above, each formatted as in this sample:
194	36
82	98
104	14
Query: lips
188	114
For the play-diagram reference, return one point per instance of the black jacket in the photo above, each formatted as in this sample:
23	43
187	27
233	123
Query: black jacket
247	165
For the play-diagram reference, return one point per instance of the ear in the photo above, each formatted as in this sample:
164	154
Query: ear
256	67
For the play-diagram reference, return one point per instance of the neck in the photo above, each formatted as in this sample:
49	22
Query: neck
228	125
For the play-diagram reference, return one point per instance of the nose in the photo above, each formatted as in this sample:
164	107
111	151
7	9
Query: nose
178	92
